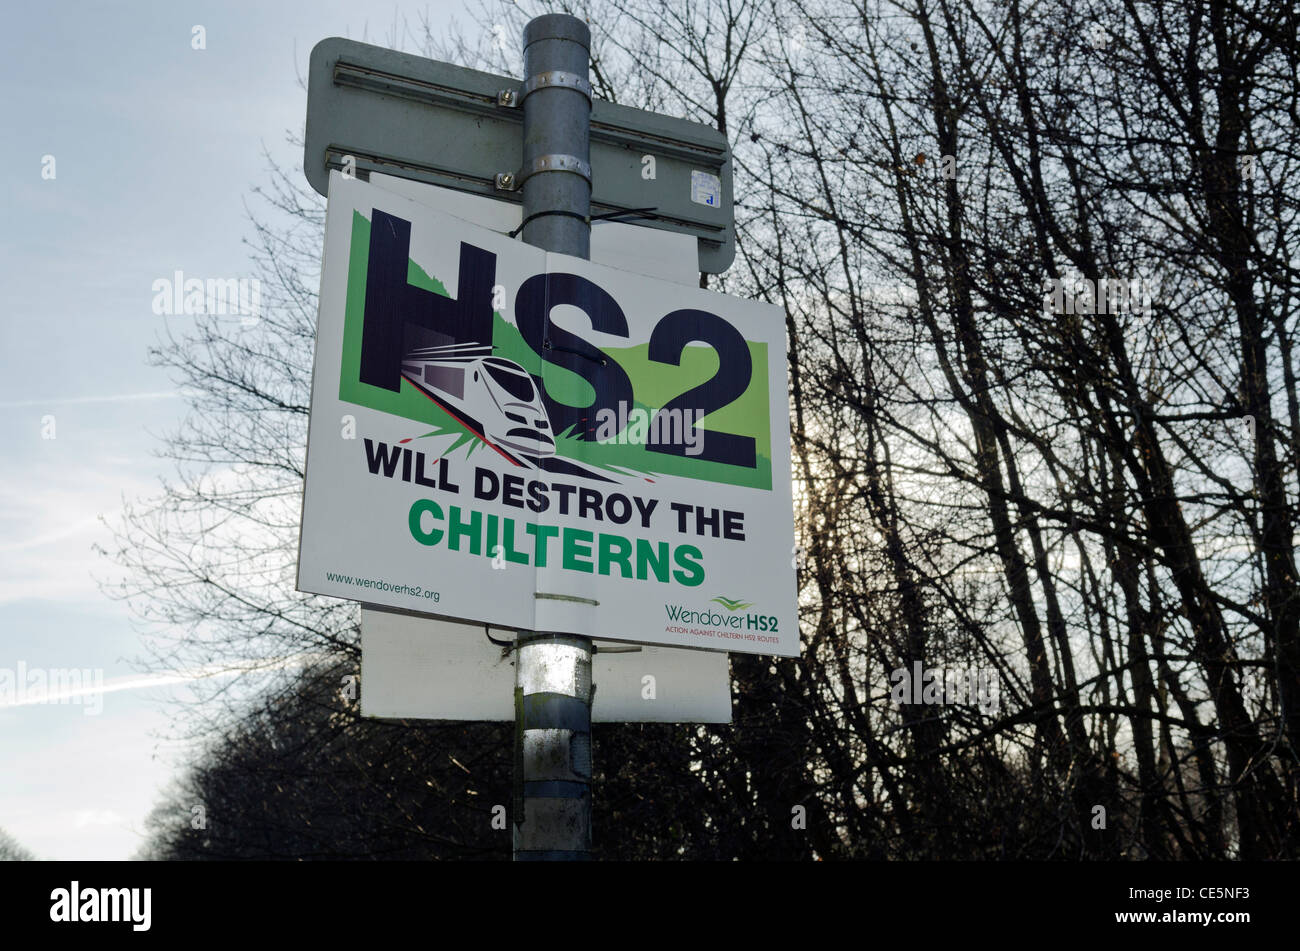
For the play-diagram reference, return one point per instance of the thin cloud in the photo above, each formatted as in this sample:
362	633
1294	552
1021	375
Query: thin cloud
165	679
50	538
108	398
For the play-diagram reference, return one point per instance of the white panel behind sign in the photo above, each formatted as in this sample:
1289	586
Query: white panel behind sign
422	668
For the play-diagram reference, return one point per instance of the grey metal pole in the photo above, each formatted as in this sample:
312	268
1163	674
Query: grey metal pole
552	807
556	172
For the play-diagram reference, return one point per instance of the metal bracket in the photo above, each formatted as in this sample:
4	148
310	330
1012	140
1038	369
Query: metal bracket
458	128
555	162
555	78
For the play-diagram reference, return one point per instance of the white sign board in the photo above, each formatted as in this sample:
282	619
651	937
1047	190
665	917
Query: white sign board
538	442
421	668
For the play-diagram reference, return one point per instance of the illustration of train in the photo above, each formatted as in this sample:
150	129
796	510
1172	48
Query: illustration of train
494	397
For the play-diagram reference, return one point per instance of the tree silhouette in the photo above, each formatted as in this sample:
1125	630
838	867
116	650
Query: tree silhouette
1038	269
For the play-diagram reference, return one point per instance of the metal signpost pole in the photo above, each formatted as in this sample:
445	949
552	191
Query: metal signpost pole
378	111
552	803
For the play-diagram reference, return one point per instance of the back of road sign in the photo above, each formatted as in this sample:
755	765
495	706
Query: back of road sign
371	109
418	668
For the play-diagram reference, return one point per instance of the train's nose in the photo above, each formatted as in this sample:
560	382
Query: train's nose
529	415
532	442
531	436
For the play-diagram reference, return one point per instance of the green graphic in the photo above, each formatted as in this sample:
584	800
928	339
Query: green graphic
733	606
621	457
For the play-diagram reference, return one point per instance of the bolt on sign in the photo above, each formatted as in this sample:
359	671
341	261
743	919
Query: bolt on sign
528	440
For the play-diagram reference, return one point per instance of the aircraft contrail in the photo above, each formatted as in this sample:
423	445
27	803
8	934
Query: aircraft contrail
165	679
110	398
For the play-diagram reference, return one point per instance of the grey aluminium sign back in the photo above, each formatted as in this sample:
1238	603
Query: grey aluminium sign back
446	125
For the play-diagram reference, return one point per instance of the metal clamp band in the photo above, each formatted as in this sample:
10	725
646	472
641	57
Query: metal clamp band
555	78
555	711
555	162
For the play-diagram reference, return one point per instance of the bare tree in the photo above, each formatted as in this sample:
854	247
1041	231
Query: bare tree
11	851
1037	264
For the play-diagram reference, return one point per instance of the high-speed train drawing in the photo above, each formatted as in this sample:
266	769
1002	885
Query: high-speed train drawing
492	396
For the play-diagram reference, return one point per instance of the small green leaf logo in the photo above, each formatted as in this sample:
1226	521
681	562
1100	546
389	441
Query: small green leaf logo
731	605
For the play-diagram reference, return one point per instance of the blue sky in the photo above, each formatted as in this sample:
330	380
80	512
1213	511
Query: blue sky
156	146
